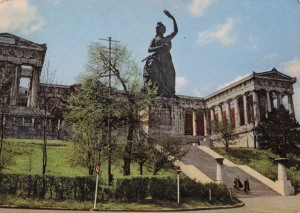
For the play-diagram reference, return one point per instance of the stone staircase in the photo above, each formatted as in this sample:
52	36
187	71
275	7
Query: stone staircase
208	165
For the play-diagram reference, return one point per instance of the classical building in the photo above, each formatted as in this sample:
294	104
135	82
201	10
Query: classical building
242	103
25	115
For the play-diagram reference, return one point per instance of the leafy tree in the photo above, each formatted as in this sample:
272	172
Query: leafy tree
225	132
87	113
110	99
126	77
279	132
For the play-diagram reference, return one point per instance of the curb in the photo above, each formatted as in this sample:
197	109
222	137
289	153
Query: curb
158	210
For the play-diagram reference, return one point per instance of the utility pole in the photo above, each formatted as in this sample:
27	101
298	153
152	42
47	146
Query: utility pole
109	127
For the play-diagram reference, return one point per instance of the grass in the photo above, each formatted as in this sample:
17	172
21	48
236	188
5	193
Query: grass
263	162
27	159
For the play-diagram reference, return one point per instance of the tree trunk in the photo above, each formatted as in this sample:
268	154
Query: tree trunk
255	142
44	151
128	149
226	147
2	132
141	167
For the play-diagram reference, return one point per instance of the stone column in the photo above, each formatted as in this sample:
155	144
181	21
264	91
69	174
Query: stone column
284	185
291	103
15	85
228	116
279	99
237	112
194	123
245	108
35	84
219	178
205	117
269	104
220	113
212	114
212	117
255	107
281	169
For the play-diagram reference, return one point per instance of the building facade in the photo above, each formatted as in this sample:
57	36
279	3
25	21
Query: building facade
25	111
242	103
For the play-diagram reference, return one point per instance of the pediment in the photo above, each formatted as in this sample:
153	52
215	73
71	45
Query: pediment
273	74
12	40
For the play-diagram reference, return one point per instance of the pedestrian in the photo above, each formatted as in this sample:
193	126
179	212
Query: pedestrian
239	183
246	186
235	183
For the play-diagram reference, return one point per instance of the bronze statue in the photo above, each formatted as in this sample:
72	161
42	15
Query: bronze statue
159	68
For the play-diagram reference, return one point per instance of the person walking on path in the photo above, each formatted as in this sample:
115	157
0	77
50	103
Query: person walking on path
246	186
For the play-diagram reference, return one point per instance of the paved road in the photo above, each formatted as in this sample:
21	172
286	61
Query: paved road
277	204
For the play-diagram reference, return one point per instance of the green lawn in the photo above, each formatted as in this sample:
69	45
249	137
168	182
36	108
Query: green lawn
28	160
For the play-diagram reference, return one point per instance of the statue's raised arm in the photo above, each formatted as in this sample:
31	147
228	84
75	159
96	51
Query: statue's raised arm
174	23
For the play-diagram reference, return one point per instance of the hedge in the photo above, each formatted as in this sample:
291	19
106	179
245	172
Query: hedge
131	189
50	187
163	188
125	189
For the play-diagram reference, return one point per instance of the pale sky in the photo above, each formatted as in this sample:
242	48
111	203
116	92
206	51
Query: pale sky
218	41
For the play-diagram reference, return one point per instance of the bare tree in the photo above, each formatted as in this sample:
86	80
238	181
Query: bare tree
48	103
5	86
253	122
225	132
164	151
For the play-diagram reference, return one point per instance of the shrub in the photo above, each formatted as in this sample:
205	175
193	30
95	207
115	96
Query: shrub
126	189
193	189
163	188
131	189
199	191
51	187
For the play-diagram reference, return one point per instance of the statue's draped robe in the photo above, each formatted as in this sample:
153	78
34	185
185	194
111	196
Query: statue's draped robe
159	68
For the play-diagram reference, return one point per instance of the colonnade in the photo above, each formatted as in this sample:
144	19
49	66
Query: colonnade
249	107
17	73
23	59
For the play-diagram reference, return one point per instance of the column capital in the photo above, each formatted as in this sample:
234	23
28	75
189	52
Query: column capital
280	160
219	160
238	97
247	93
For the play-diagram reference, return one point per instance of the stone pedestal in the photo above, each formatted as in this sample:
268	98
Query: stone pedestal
283	184
176	117
219	169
